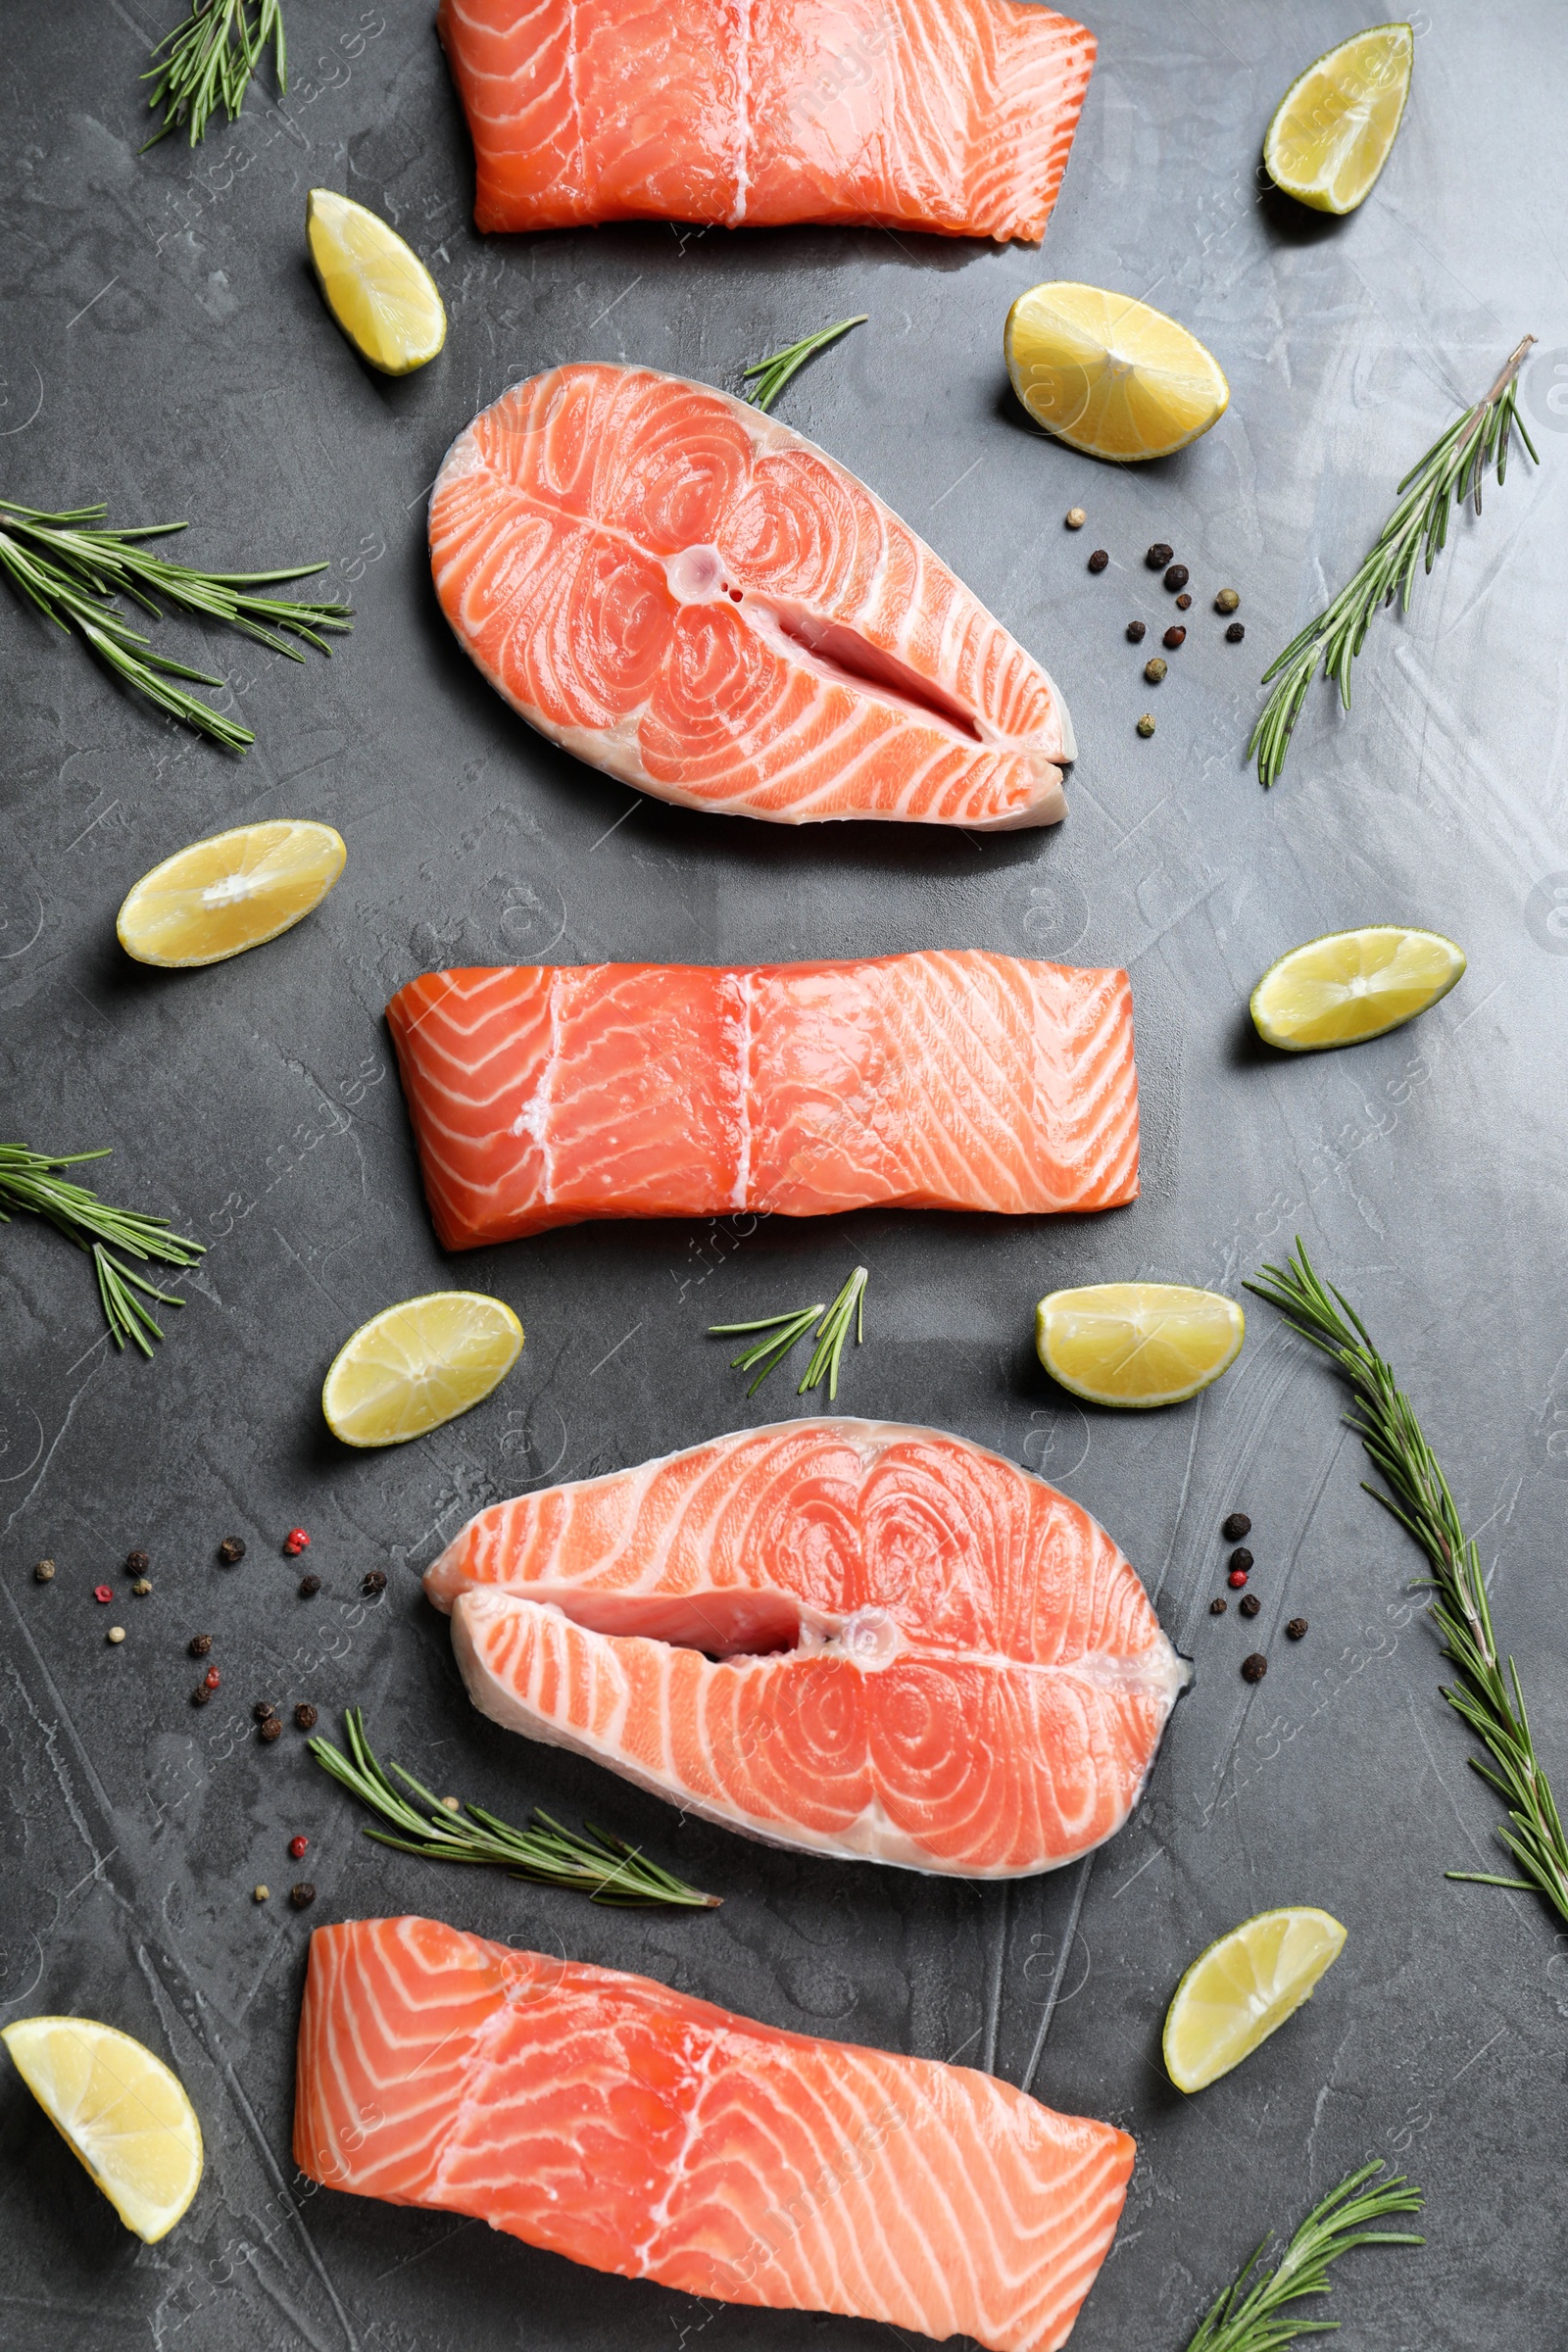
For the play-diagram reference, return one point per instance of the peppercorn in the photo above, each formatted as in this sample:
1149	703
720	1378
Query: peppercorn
305	1716
1255	1668
43	1574
1146	725
1218	1605
199	1644
302	1894
261	1895
201	1697
297	1847
1297	1628
1154	670
1241	1558
374	1580
1250	1605
296	1542
1135	632
1237	1579
232	1551
136	1563
1075	519
1226	601
116	1633
1235	633
310	1585
1236	1527
263	1710
453	1804
1184	603
102	1592
269	1730
213	1679
142	1586
1174	636
1158	555
1176	576
1099	560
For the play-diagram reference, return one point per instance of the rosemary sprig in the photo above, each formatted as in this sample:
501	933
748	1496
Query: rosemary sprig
1491	1702
208	61
70	566
1254	2319
27	1181
775	372
783	1331
603	1868
1451	472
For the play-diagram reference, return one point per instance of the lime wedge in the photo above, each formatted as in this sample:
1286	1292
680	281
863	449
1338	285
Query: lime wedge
1333	127
1136	1344
1352	985
119	2110
378	289
417	1364
1243	1988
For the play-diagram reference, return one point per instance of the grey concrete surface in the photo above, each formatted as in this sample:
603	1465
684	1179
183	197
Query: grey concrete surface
163	344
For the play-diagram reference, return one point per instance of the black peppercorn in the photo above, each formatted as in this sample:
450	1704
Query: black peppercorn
302	1894
308	1585
1217	1606
1183	603
1236	1527
1250	1605
199	1695
263	1710
1174	636
1297	1628
305	1716
1099	560
1135	632
374	1580
136	1563
1241	1558
1255	1668
199	1644
232	1551
1176	576
1158	555
269	1730
1235	633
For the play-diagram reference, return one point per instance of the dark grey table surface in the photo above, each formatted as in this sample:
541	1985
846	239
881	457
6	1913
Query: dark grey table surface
162	345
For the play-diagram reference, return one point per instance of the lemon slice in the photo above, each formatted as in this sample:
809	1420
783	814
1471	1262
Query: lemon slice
219	896
120	2109
378	289
1243	1988
416	1365
1136	1343
1107	375
1333	127
1352	985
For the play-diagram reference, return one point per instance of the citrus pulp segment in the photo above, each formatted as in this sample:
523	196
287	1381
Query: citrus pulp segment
1107	375
1243	1988
1334	126
231	892
376	286
1352	985
417	1364
119	2110
1136	1344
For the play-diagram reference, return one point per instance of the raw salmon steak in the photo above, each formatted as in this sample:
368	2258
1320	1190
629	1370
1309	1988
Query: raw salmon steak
631	2128
955	115
845	1637
543	1094
690	596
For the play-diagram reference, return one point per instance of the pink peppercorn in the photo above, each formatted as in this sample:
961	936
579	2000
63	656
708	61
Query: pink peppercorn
296	1542
297	1847
1238	1577
102	1592
213	1679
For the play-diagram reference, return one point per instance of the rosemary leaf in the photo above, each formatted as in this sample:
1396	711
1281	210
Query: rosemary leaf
1487	1698
208	61
775	372
784	1330
28	1181
603	1868
70	566
1252	2317
1451	472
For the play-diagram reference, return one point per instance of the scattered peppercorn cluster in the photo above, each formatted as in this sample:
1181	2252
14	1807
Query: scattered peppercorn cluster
1161	557
1237	1570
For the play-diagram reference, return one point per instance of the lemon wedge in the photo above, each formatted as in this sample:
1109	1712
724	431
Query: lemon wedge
378	289
417	1364
1333	127
1136	1343
1243	1988
1352	985
222	895
120	2109
1107	375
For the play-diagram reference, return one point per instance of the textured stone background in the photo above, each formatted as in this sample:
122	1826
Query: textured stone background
162	345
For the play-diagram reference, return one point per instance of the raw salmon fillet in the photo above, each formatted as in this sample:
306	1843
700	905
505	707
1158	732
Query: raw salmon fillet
690	596
955	115
846	1636
545	1094
638	2131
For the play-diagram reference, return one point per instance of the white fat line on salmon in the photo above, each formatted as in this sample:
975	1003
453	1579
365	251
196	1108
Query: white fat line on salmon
742	113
